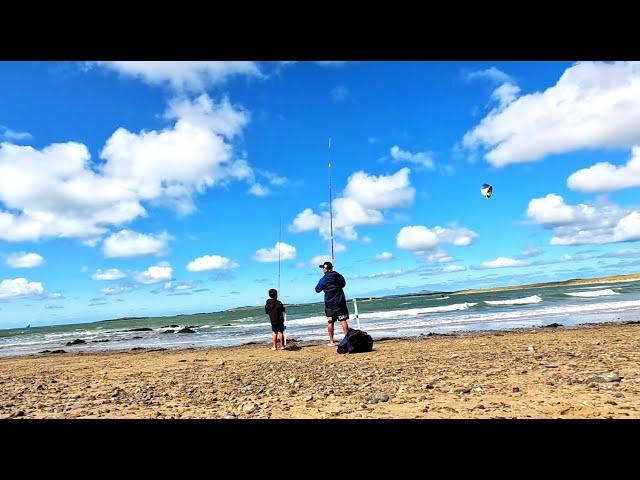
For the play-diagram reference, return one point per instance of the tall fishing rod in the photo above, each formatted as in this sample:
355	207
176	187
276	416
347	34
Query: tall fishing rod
330	205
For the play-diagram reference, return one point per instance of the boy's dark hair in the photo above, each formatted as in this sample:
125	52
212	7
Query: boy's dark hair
273	293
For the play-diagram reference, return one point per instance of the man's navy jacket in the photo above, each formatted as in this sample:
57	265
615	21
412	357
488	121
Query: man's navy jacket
332	284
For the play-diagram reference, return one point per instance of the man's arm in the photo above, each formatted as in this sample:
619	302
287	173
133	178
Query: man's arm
342	281
282	306
321	285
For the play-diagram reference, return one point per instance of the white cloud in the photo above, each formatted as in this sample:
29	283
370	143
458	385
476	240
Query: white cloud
505	94
267	255
593	104
503	262
627	228
306	221
320	259
14	135
157	273
440	257
110	274
339	247
258	190
389	274
363	200
551	210
184	75
366	240
424	159
165	168
211	262
127	243
117	290
172	165
273	178
600	223
20	287
383	257
453	268
24	260
492	73
419	238
605	177
380	192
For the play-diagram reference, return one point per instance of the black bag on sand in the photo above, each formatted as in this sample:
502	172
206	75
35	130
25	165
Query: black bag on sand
355	341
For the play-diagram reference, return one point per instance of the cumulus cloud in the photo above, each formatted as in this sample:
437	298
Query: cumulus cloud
418	238
424	159
284	250
593	104
162	167
20	287
503	262
157	273
24	260
599	223
383	257
127	243
211	262
110	274
605	177
364	198
184	75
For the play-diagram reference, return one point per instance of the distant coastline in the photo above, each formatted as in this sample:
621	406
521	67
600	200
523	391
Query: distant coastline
573	281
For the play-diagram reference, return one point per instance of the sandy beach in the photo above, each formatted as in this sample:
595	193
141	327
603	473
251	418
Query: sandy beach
590	371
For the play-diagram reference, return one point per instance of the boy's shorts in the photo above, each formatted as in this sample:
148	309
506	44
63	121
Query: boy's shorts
339	316
277	328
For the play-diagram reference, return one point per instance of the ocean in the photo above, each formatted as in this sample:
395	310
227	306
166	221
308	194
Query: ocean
397	316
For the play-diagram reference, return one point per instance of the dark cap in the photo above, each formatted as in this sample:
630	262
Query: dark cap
329	265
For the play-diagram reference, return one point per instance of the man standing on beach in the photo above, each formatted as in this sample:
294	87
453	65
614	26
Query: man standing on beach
335	303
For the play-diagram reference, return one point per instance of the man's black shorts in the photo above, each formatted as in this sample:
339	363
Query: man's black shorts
277	328
336	316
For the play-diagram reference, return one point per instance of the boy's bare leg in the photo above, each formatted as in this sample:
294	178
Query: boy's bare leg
274	338
281	340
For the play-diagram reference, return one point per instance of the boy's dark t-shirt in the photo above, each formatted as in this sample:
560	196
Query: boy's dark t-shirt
274	308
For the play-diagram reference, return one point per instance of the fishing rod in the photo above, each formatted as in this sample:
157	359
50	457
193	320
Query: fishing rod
284	333
330	206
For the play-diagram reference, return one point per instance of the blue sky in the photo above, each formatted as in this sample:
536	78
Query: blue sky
158	188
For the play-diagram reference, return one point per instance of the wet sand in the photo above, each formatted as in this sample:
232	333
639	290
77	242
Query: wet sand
590	371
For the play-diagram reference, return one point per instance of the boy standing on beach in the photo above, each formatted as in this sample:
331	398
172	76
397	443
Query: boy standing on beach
275	309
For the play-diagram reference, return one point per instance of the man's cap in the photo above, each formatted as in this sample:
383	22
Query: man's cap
326	264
